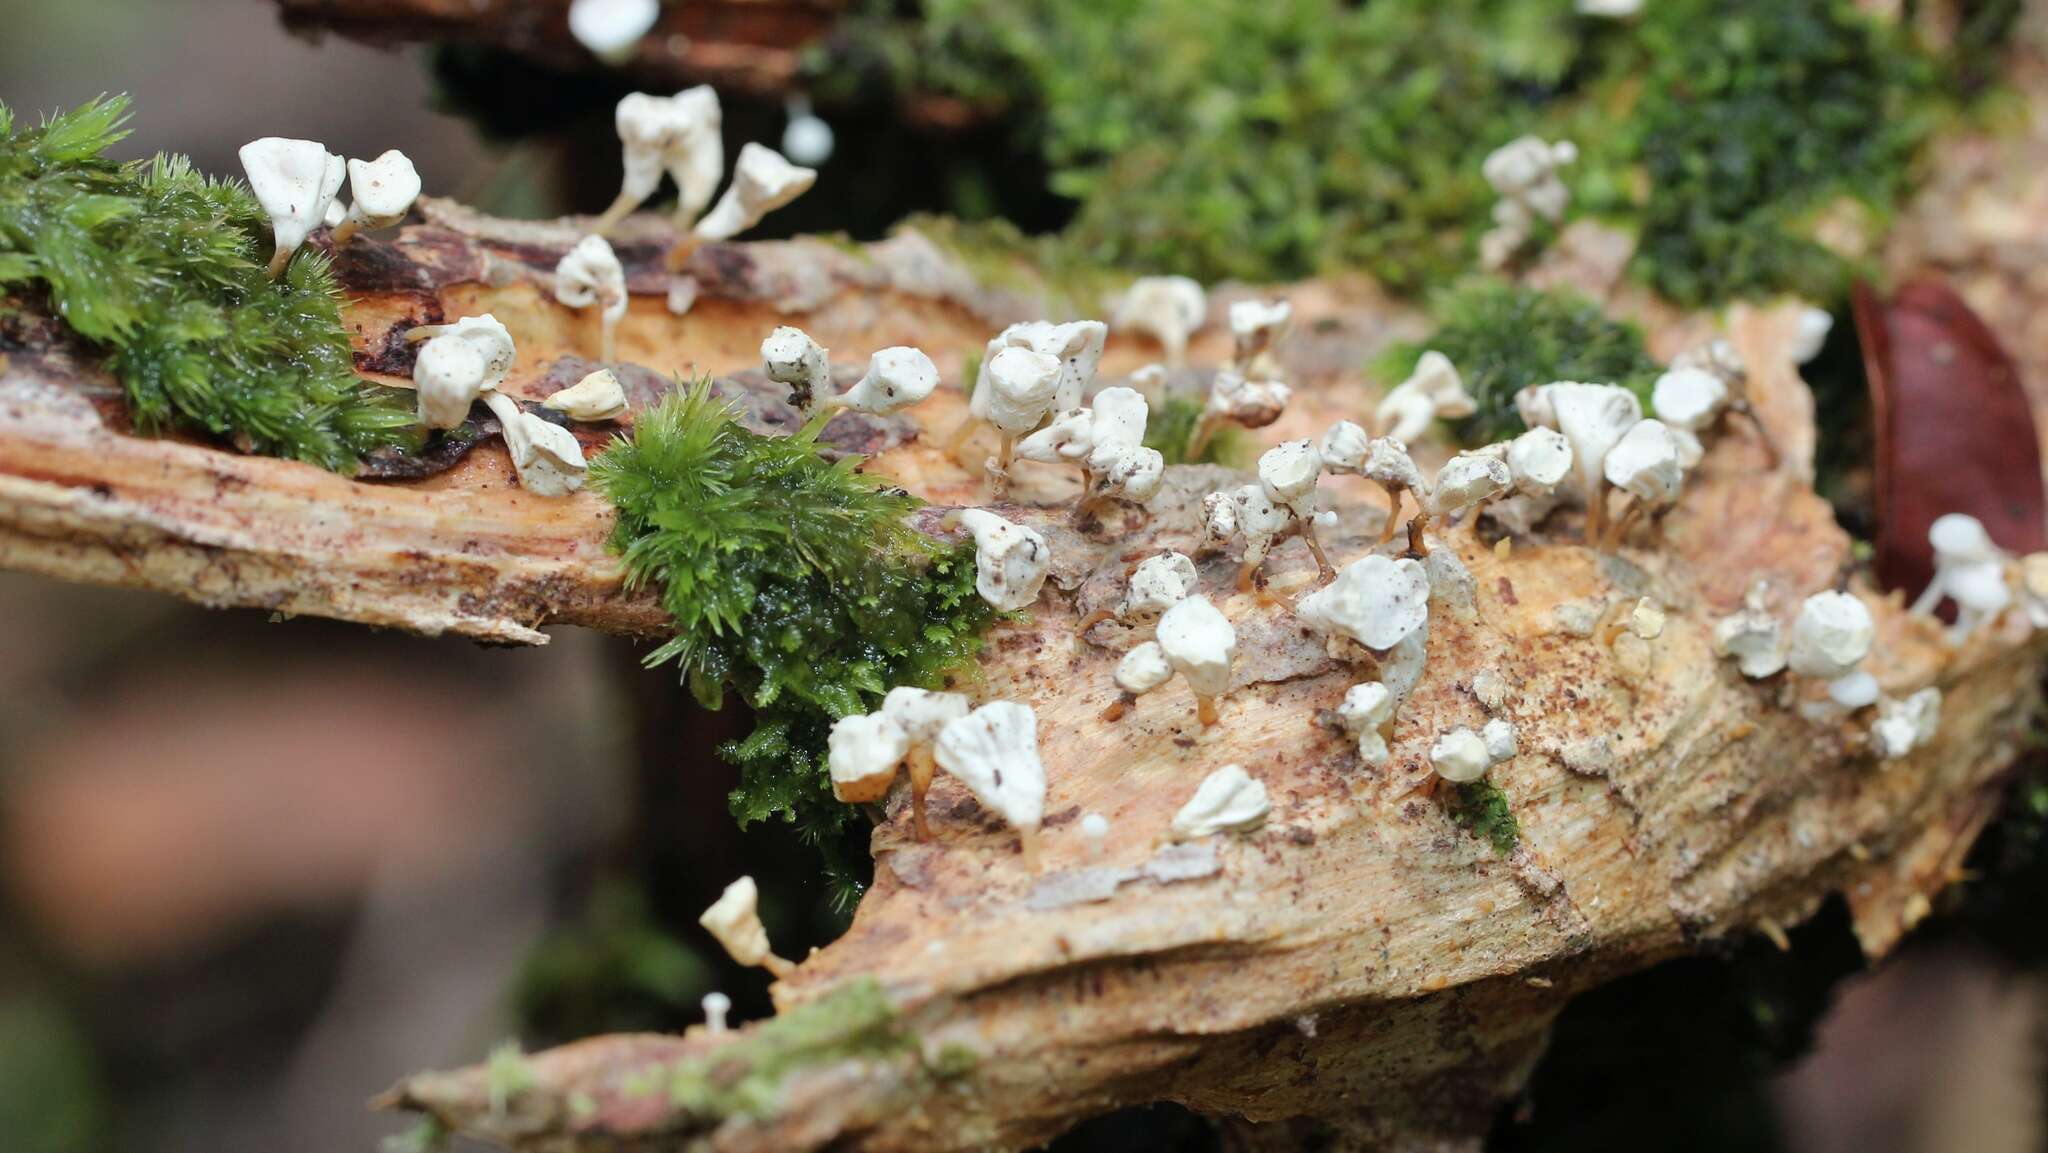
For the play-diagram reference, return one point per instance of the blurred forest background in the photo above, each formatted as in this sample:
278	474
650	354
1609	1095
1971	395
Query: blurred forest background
251	870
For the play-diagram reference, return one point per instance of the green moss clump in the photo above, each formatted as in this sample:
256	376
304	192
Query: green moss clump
1502	337
1755	117
745	1077
1171	428
794	581
164	270
1480	808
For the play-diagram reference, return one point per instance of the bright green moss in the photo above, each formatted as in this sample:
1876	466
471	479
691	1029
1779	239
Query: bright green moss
1171	428
163	269
1754	117
745	1078
795	582
1502	337
1480	808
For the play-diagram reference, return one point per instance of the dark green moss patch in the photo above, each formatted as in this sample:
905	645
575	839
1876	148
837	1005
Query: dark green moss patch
163	270
1480	808
1503	337
794	581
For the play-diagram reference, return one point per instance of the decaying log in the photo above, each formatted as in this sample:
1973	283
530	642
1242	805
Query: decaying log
1361	959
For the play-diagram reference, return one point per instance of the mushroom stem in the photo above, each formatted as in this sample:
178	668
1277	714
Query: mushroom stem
1205	710
780	967
1247	576
1596	512
679	254
999	467
1417	525
1393	512
608	338
922	767
1118	707
1763	434
345	232
1325	571
279	261
1198	442
1622	524
1027	843
620	209
1091	620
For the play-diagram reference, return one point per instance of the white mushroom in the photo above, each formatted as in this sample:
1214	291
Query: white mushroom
1234	399
1968	569
1460	756
863	753
994	752
1752	636
590	274
1689	398
598	396
1366	710
1016	394
1375	602
1524	172
1107	441
762	181
612	29
295	182
1594	418
1433	391
1539	460
1200	643
381	192
1501	740
896	378
1646	619
789	356
1467	480
1010	560
458	363
1141	670
923	713
1095	827
547	456
716	1006
1228	800
1158	583
1830	637
1811	334
1903	726
1343	448
1388	465
806	139
679	135
1167	308
1645	463
1255	327
1250	513
735	920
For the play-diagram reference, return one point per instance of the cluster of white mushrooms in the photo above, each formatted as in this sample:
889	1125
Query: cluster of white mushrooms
1524	174
298	183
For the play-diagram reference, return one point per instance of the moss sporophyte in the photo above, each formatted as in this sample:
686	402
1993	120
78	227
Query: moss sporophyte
793	581
162	270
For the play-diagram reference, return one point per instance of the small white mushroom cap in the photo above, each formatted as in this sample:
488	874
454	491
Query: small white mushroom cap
1078	344
1167	308
1752	636
1259	321
1831	635
1689	398
1021	388
1220	519
547	456
1118	424
1968	568
1811	334
1288	473
762	181
1157	584
1228	800
1010	560
1258	519
1609	9
1434	390
590	274
1200	643
1375	601
1500	737
680	135
1524	172
735	920
1594	418
1143	669
896	378
789	356
1645	463
1539	459
598	396
494	340
1460	756
1366	707
381	191
923	712
1095	827
1903	726
1646	619
1960	537
1857	690
1250	403
1343	447
1468	478
716	1006
1387	462
994	752
862	754
611	29
295	181
1533	406
448	376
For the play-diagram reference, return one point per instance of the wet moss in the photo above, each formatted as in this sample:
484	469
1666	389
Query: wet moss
1480	808
746	1077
